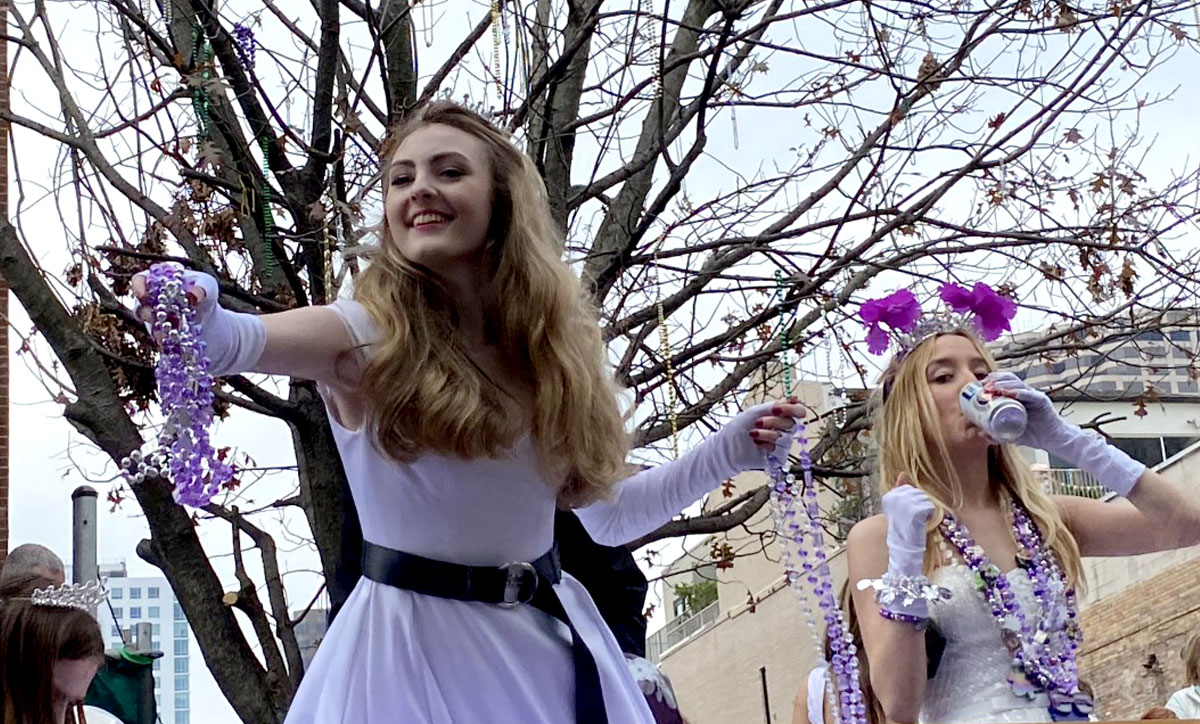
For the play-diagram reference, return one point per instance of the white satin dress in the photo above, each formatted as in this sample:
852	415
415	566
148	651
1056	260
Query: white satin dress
393	656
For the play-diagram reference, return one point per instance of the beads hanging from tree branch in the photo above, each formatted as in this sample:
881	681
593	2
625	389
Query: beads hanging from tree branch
782	333
202	60
267	217
496	76
245	46
839	384
664	339
427	25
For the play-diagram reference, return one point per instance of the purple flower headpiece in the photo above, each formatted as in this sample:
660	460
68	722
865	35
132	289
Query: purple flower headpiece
980	308
899	310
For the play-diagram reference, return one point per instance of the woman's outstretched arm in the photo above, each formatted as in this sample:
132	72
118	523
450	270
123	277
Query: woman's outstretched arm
649	498
1155	516
309	342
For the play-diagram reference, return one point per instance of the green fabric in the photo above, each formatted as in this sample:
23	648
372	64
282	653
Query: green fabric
117	688
133	658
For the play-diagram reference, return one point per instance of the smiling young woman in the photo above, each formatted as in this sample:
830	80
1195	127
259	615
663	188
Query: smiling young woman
468	394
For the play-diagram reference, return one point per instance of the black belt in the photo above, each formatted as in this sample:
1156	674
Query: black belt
508	586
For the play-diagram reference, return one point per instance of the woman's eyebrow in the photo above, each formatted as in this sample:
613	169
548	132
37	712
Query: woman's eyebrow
435	158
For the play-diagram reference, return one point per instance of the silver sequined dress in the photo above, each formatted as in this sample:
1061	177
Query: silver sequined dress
971	685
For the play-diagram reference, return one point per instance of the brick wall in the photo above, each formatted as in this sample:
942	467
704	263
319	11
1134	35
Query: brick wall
1155	617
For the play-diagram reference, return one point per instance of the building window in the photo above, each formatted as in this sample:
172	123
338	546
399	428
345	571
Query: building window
152	612
181	647
181	666
181	702
152	592
181	717
181	630
135	612
117	594
154	629
680	606
181	683
179	613
157	665
1149	451
117	611
1172	446
135	593
116	632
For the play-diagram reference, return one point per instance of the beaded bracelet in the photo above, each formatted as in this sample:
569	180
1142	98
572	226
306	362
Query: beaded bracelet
918	622
905	590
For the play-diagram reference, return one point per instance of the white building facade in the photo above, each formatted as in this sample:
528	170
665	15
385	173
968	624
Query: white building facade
1142	390
150	600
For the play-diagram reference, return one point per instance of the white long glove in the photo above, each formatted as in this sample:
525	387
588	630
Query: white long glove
234	341
650	498
1047	430
907	510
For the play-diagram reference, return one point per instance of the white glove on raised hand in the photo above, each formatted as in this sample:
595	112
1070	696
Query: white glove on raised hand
650	498
234	341
1047	430
904	593
907	510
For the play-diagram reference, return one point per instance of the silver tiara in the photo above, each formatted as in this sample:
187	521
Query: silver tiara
932	325
83	596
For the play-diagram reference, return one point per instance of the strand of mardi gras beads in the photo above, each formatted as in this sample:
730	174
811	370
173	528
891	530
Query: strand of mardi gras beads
803	535
185	390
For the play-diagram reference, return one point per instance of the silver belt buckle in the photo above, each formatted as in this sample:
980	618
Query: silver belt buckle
517	571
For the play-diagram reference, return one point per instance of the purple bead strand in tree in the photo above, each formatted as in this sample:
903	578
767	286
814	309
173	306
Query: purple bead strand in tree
246	45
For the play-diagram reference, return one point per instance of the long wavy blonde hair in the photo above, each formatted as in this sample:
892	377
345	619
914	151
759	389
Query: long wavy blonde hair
423	393
909	437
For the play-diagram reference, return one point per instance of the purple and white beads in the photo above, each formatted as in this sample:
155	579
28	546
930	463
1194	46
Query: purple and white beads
804	537
186	393
1044	652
